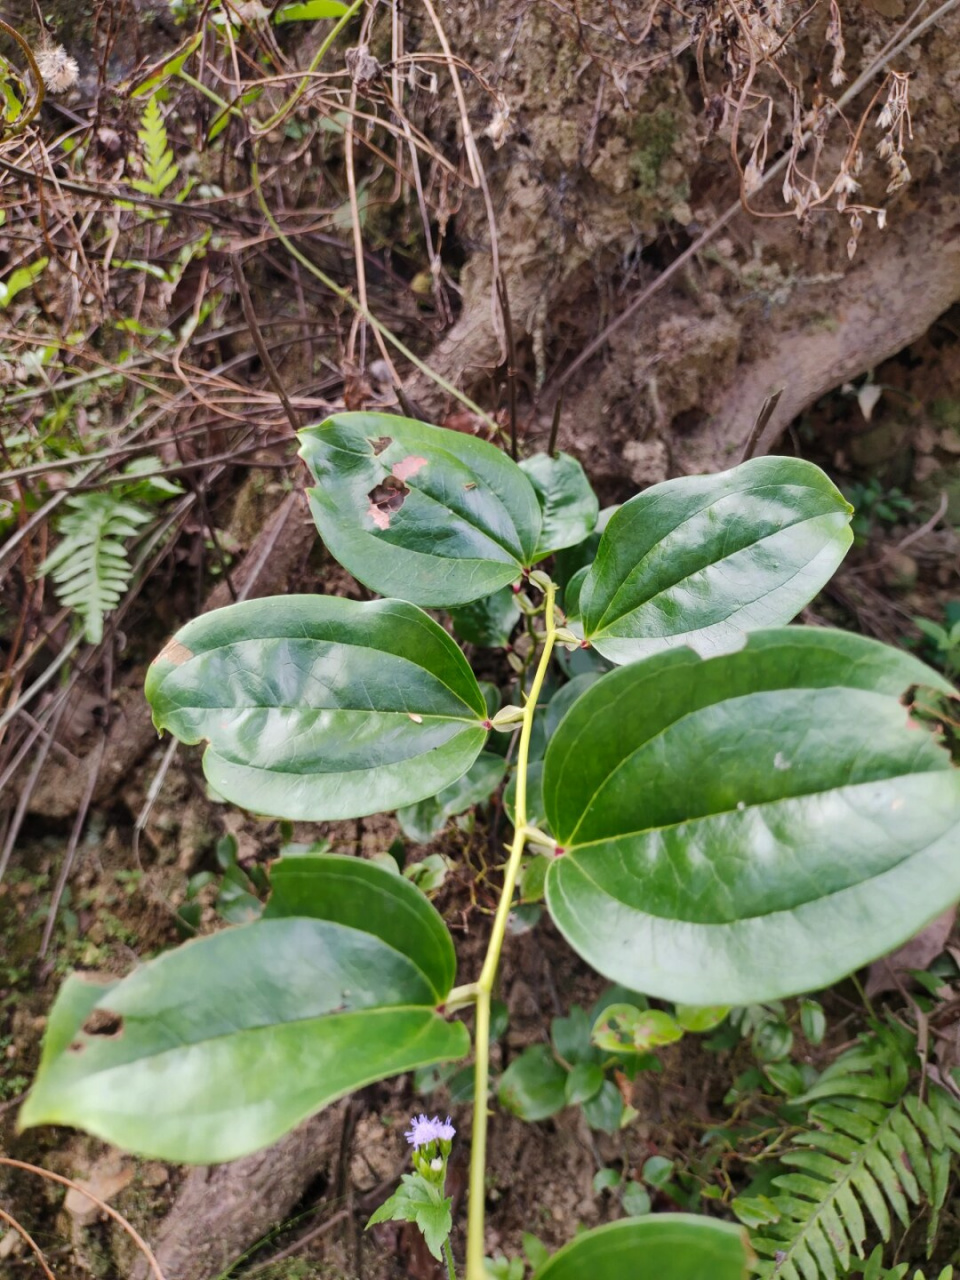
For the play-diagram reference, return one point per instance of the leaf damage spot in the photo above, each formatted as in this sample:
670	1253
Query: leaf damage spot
781	763
408	466
175	653
379	444
415	718
103	1022
938	713
386	498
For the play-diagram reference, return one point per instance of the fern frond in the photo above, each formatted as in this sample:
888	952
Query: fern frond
159	166
873	1269
863	1161
90	567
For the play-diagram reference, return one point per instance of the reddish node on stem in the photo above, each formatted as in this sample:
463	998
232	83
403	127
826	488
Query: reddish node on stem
558	851
488	724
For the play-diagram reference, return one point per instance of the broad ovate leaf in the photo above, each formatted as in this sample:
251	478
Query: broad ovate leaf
749	826
700	560
222	1046
422	821
661	1246
569	505
418	512
317	708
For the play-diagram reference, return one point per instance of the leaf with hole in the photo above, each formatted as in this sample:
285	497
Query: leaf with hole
753	825
222	1046
419	512
317	708
700	560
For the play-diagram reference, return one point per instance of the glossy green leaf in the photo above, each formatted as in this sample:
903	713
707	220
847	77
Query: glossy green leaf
569	505
700	1018
753	825
567	562
222	1046
489	621
418	512
700	560
362	895
533	1087
605	1110
571	1037
583	1083
318	708
427	818
661	1246
564	698
236	901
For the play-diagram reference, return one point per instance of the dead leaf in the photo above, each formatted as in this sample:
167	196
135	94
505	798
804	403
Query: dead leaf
107	1178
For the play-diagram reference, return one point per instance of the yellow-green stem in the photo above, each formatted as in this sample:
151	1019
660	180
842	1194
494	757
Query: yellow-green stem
282	112
484	986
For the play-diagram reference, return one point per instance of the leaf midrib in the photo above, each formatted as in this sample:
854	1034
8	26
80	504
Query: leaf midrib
800	519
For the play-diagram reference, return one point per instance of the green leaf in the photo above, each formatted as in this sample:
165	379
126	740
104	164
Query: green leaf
310	11
236	901
418	512
635	1199
533	1087
676	1245
569	505
318	708
755	1211
564	698
489	621
753	825
422	821
222	1046
813	1021
583	1083
623	1028
604	1111
364	896
19	279
701	1017
700	560
657	1171
571	1037
606	1180
535	1250
417	1200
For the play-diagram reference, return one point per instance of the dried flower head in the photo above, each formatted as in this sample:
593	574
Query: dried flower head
58	70
835	38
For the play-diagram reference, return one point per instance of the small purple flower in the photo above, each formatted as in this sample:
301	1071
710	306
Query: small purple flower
423	1131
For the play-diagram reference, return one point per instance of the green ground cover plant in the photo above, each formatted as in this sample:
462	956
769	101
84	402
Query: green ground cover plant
732	811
